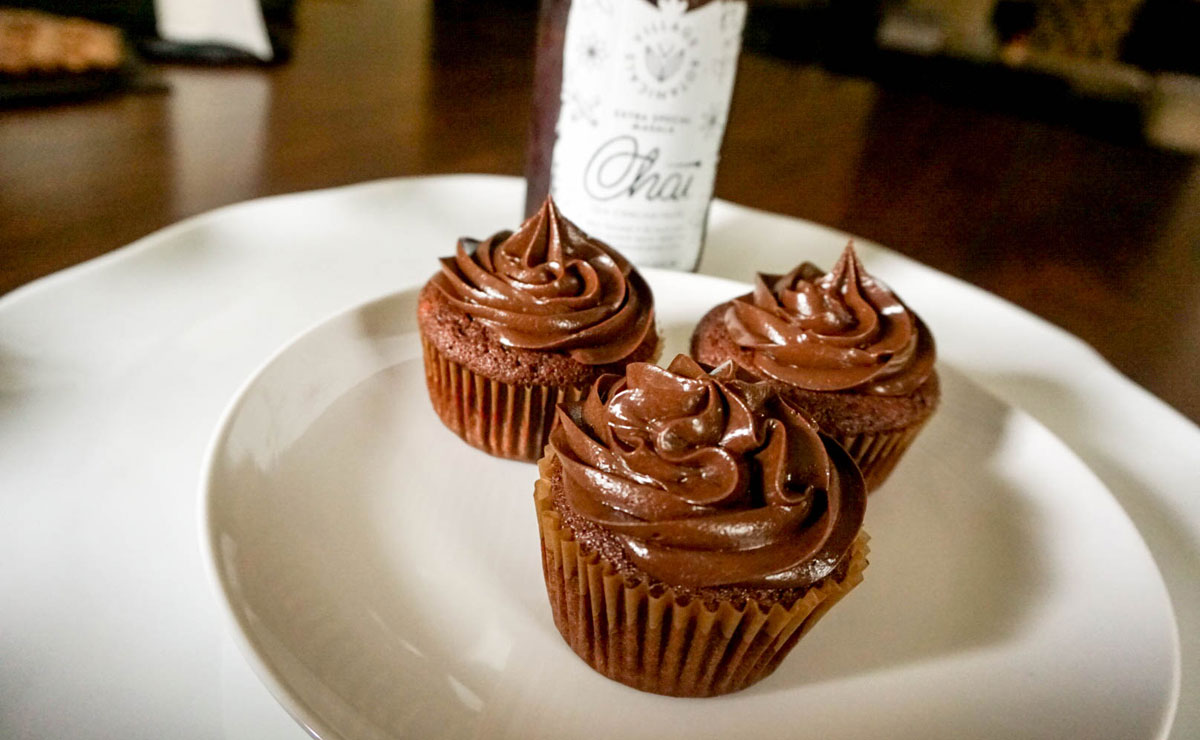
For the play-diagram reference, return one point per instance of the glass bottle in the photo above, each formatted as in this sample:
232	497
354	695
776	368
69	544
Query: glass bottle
630	103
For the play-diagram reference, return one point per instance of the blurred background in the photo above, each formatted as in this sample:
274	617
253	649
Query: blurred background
1044	150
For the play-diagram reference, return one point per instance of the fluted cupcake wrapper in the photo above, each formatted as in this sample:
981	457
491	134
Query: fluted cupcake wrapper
502	419
876	454
651	639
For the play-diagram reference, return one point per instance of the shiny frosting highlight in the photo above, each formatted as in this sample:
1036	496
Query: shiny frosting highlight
833	331
707	480
549	286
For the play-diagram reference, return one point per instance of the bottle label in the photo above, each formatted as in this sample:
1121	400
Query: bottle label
645	95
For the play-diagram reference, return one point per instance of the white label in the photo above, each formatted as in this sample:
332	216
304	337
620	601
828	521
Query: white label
645	96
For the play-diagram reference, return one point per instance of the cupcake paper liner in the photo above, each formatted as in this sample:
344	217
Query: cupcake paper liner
877	454
650	638
502	419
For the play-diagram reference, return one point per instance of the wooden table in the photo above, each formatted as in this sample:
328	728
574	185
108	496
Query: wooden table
1101	238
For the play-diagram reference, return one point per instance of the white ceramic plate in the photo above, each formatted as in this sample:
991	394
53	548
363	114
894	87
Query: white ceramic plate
385	581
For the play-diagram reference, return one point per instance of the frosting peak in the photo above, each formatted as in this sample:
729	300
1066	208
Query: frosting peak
832	331
549	286
707	480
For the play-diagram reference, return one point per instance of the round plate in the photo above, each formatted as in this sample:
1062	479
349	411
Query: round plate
385	578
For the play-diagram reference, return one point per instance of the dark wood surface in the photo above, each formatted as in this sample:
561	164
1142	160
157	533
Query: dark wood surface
1099	237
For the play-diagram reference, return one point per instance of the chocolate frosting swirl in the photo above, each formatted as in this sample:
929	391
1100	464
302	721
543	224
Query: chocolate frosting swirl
549	286
707	480
831	332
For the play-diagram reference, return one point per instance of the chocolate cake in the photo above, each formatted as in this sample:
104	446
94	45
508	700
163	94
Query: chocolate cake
694	527
514	324
842	347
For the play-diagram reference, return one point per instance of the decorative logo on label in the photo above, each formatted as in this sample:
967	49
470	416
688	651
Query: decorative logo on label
662	60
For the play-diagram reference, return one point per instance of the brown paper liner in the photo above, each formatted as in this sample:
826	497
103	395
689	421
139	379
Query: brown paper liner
651	639
502	419
877	454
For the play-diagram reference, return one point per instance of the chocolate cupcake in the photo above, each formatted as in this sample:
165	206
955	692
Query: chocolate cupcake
694	527
842	347
519	322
